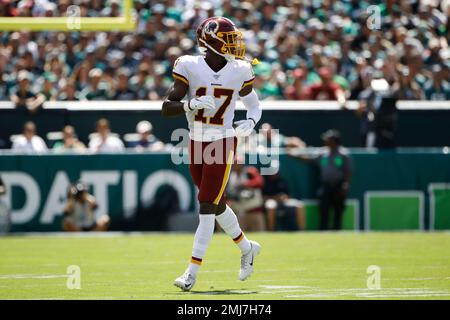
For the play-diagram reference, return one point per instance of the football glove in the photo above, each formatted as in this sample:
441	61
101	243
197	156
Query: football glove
204	102
244	128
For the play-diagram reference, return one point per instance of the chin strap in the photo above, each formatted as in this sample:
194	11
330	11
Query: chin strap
227	56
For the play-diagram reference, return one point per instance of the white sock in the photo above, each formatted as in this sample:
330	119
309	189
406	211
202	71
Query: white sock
229	223
202	238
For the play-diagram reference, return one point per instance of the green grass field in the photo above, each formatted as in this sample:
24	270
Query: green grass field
291	266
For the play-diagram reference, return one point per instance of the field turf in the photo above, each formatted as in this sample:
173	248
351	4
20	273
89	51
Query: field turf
291	266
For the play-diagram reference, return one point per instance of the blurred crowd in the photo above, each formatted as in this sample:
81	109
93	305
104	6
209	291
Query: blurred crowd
103	140
310	49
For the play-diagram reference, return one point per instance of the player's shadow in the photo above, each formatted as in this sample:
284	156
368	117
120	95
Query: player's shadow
224	292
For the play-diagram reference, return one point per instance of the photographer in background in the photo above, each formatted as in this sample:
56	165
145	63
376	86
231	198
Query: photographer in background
283	212
244	195
79	213
378	113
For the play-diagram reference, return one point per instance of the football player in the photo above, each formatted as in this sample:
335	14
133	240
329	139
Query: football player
213	82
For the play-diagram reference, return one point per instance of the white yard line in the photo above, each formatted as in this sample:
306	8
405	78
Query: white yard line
32	276
286	287
297	292
421	279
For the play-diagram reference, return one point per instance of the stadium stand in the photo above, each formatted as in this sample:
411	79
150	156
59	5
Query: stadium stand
317	63
292	39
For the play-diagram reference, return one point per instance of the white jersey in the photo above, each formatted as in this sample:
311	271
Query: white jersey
224	86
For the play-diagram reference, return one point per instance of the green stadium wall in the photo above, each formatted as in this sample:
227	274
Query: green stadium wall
423	128
389	191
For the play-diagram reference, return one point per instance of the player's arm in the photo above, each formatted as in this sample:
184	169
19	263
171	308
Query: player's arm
173	106
254	112
292	152
294	142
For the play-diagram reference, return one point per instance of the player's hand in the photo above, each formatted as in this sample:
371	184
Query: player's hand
344	189
291	152
244	128
203	102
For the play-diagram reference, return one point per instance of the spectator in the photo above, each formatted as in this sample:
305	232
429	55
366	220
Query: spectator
296	91
267	83
70	141
327	89
283	34
4	78
335	175
103	140
139	82
407	87
438	87
122	90
49	91
244	195
147	140
23	97
283	212
69	92
96	89
80	211
268	21
159	88
28	141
